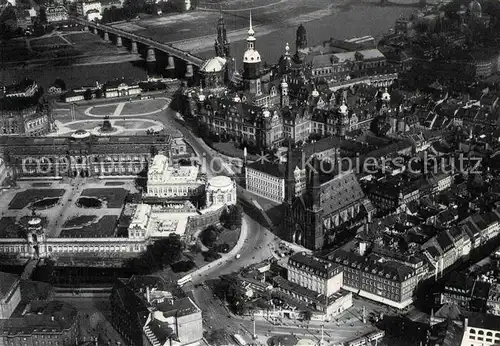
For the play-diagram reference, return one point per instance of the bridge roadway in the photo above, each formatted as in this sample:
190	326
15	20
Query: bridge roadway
163	47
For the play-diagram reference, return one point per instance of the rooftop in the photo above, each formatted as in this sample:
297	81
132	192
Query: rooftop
388	269
484	321
318	265
41	317
7	283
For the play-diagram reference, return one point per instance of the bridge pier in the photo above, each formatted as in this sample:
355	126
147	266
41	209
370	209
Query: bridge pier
119	42
95	31
189	71
133	48
151	56
106	36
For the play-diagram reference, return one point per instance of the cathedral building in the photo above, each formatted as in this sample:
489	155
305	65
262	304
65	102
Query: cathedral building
218	71
330	204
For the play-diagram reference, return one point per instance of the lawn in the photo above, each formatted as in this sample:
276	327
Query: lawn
103	110
48	41
104	228
23	199
10	229
142	107
115	197
83	37
79	221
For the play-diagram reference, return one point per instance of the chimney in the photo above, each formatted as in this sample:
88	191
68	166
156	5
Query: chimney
466	324
148	298
52	318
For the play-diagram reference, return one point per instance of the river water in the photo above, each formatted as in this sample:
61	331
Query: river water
347	21
350	21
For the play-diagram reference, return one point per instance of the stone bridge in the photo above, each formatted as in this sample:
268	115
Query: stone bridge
178	63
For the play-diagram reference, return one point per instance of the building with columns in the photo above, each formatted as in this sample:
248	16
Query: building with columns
220	191
83	154
168	180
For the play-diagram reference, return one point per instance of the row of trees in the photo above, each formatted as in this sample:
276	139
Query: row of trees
162	253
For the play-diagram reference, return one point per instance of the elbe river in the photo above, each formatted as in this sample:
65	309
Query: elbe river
355	20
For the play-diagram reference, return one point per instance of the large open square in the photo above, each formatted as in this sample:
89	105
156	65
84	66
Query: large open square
135	117
68	208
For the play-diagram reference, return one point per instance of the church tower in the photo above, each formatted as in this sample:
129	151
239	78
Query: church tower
301	39
285	99
251	63
343	119
222	43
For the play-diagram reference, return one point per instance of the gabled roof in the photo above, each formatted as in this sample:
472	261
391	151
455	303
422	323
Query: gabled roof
340	192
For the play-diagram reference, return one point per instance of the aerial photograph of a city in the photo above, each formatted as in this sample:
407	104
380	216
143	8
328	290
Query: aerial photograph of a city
250	172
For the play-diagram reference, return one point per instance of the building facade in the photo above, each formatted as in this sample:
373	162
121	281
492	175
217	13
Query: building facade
11	294
330	203
145	312
481	330
266	180
81	154
121	88
56	14
54	322
168	180
387	282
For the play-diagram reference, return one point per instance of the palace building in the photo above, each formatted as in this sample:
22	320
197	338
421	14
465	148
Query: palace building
168	180
23	110
82	154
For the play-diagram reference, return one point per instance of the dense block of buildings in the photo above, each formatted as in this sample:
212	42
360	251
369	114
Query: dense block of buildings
317	283
55	321
23	110
145	312
386	281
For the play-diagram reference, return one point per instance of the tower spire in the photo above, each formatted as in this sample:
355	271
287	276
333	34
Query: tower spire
251	27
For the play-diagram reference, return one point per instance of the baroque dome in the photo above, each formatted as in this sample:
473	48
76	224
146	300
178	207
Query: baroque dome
251	56
216	64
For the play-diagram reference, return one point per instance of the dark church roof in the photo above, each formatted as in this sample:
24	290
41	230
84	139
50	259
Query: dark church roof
340	192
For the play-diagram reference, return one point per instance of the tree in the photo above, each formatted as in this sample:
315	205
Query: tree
231	217
60	83
216	337
87	95
209	236
98	93
43	15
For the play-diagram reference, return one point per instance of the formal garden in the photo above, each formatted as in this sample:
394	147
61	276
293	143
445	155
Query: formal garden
88	226
102	198
38	198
